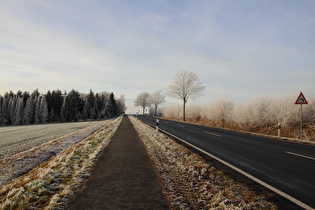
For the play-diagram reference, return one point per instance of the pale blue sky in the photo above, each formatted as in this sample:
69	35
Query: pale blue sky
241	49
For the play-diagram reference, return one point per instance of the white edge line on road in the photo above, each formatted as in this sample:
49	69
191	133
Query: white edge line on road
304	156
180	126
214	134
283	194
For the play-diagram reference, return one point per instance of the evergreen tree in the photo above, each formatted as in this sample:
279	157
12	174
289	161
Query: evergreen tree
1	111
5	109
52	115
102	107
49	104
29	110
37	110
25	96
19	111
111	107
35	93
74	101
86	110
43	110
88	106
56	103
12	104
81	104
18	94
95	108
65	110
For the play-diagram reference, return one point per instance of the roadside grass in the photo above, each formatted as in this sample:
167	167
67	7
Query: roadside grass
287	134
189	182
51	184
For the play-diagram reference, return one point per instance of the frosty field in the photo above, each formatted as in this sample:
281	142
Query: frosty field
15	139
52	183
24	147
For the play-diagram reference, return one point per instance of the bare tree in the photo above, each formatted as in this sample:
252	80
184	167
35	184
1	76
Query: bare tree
185	85
121	105
143	100
157	98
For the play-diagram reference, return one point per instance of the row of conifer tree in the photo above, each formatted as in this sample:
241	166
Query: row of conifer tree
54	106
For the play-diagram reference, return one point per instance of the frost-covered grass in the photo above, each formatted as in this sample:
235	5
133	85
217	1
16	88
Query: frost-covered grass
190	182
261	115
52	183
13	166
15	139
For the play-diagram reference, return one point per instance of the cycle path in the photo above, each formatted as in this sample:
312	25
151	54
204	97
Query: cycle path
123	177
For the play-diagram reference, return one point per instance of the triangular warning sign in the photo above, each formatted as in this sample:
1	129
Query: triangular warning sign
301	99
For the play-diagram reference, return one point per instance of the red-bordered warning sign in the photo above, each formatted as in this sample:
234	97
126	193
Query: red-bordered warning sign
301	99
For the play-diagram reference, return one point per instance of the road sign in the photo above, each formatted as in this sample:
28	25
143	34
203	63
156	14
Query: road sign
301	99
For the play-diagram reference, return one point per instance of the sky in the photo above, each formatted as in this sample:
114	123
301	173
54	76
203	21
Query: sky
241	49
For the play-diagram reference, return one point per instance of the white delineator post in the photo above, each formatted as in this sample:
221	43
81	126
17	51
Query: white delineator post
157	127
279	129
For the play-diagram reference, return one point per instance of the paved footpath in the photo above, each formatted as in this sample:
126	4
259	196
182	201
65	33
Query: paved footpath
123	177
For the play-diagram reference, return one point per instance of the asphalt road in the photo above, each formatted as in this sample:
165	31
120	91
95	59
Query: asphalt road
286	166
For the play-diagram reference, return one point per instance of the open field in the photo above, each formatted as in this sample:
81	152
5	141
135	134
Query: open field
52	183
27	146
15	139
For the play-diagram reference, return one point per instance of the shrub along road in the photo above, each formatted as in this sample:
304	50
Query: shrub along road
287	166
123	177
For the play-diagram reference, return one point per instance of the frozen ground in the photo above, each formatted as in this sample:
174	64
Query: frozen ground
51	184
14	139
24	147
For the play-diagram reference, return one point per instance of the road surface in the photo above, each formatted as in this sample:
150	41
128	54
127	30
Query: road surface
286	166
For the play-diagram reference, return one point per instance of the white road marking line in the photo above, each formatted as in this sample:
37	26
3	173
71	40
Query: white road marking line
296	201
212	133
292	153
180	125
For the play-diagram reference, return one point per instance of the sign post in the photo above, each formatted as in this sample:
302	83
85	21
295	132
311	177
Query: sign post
301	100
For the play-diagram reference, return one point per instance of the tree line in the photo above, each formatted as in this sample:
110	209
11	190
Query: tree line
54	106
